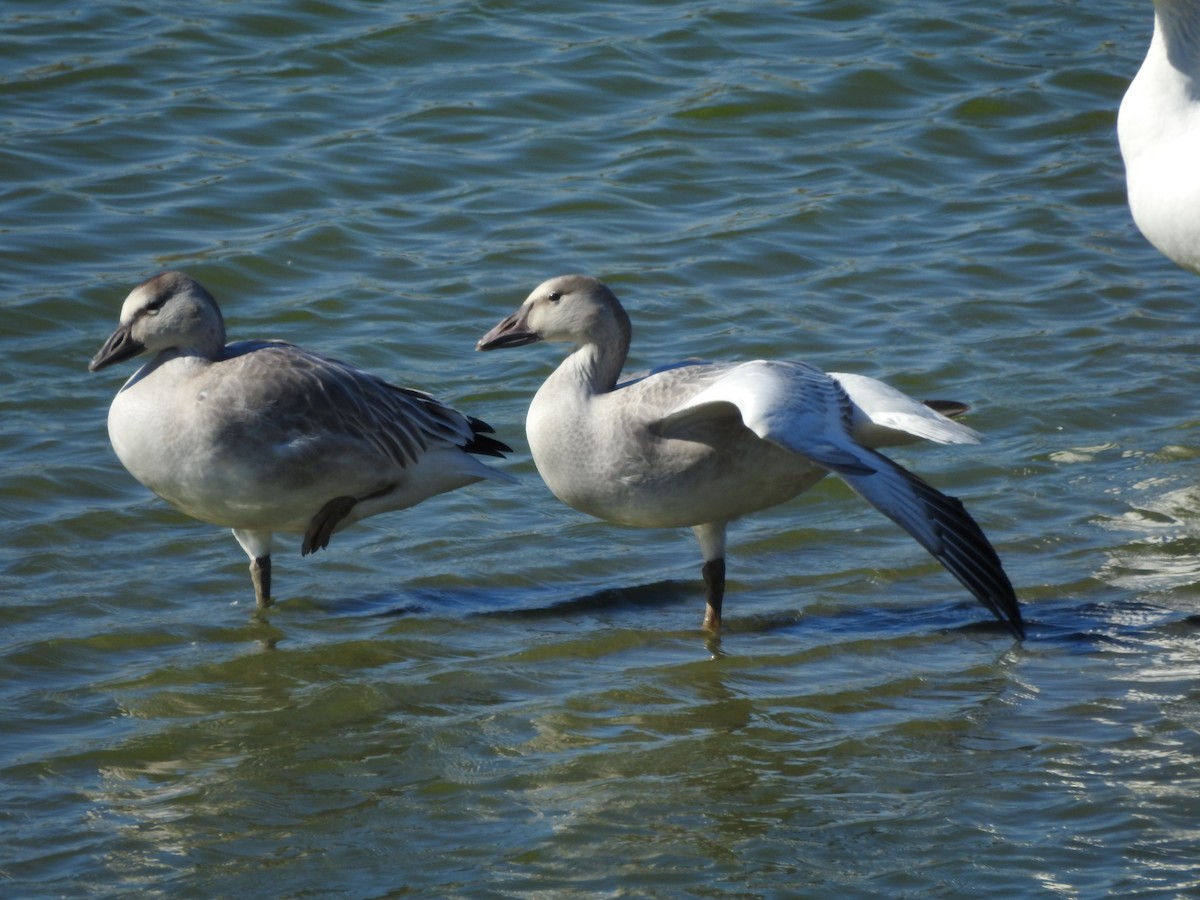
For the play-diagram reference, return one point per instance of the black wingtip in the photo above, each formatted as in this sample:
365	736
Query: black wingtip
964	550
483	445
970	557
1016	624
951	409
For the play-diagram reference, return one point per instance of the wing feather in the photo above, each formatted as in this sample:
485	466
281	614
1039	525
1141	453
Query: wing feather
883	416
808	412
327	398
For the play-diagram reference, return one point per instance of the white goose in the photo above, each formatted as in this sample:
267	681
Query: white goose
700	444
262	436
1158	127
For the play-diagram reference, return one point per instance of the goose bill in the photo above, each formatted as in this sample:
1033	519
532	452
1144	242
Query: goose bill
512	332
121	345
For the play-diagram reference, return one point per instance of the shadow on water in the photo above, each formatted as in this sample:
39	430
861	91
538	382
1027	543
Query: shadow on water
441	600
681	595
655	595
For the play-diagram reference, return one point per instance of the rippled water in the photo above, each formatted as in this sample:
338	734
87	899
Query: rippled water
492	695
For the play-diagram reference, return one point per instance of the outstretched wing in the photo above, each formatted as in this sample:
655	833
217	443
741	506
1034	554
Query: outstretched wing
801	409
794	405
883	416
941	524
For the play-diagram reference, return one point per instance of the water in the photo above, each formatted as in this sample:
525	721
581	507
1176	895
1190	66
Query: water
491	695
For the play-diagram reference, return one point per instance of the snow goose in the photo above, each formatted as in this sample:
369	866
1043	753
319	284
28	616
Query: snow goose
700	444
1158	127
262	436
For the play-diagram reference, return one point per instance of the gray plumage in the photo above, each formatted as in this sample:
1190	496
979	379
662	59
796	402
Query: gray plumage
700	444
263	436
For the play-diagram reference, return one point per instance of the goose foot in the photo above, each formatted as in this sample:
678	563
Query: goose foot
321	528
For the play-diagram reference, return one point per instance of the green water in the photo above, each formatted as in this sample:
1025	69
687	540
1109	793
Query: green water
491	695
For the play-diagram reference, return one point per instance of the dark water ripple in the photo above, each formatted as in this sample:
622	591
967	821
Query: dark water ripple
490	695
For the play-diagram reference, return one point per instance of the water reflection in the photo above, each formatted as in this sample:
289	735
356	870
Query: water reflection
1163	556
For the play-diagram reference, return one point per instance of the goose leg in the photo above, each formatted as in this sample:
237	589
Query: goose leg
714	582
257	545
260	576
322	526
712	545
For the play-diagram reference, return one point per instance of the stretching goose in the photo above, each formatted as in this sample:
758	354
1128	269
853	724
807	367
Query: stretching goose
262	436
700	444
1159	131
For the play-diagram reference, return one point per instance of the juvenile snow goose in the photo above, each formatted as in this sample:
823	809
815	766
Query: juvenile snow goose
700	444
262	436
1158	127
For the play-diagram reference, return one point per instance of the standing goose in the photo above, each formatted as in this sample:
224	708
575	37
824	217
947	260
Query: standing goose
262	436
1158	127
700	444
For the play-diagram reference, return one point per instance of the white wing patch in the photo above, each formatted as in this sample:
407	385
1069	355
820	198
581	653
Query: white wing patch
883	416
793	405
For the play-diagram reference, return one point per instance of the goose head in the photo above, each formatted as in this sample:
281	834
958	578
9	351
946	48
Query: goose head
575	309
169	311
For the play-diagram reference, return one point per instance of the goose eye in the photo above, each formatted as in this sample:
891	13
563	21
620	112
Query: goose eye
554	296
155	305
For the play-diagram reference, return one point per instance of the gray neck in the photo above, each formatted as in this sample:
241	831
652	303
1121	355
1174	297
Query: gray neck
598	363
